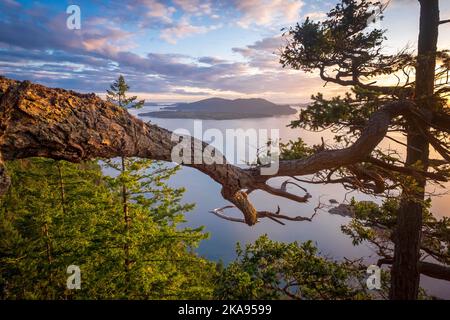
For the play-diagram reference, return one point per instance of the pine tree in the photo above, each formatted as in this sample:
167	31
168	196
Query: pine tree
150	208
118	95
57	214
343	49
147	255
48	219
121	230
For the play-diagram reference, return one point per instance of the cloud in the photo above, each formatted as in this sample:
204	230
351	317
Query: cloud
190	93
268	12
36	45
184	29
25	56
11	3
100	46
267	44
263	54
197	7
316	15
157	10
97	35
211	60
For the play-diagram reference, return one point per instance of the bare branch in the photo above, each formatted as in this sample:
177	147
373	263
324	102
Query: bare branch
406	170
218	212
432	270
402	143
441	121
437	145
387	90
60	124
275	216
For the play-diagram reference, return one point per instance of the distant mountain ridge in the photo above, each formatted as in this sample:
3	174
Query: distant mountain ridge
220	109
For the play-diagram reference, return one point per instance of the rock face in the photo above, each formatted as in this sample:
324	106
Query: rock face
343	210
223	109
346	210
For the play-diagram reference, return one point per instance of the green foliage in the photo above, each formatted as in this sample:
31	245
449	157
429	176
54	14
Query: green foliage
344	51
46	224
376	224
150	257
57	214
364	211
335	113
151	241
117	95
274	270
297	149
342	39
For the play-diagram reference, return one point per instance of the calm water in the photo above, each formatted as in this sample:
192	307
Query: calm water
324	230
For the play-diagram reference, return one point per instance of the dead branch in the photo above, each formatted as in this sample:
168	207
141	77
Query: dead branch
37	121
275	216
219	212
407	170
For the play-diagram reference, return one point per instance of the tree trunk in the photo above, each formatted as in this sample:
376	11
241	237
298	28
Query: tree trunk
48	251
126	218
61	188
405	276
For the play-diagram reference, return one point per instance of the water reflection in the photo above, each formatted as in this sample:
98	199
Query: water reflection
324	230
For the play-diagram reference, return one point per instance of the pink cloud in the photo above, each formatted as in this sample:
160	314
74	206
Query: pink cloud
194	6
266	12
184	29
158	10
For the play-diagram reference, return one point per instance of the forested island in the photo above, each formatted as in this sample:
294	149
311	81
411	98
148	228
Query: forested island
223	109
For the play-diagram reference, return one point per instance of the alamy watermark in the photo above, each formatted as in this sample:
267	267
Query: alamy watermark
373	282
375	18
73	21
241	147
74	280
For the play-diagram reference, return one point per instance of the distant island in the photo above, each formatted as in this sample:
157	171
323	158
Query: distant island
223	109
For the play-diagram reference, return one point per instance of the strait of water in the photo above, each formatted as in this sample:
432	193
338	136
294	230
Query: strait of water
324	230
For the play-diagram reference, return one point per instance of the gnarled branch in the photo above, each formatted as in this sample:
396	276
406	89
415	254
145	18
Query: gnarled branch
60	124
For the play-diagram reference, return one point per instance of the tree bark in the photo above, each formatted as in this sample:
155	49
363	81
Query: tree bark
36	121
127	221
405	276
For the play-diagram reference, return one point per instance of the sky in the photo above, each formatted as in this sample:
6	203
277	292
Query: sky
178	50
